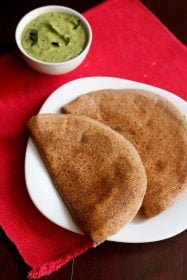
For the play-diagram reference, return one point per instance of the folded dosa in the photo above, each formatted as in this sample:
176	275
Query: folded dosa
155	127
98	173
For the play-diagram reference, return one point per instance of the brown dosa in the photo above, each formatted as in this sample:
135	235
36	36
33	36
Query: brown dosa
155	127
98	173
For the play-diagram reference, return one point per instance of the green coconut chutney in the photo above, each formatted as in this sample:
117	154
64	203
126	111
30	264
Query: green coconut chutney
54	37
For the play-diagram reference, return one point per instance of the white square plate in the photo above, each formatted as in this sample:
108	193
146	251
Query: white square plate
46	198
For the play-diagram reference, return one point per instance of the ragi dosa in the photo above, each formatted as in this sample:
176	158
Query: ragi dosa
155	127
98	173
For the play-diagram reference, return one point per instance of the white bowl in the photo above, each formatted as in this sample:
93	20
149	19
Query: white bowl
52	68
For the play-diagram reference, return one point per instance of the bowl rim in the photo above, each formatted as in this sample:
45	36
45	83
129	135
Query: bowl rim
46	9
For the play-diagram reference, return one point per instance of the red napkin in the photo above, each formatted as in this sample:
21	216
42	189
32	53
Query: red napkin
128	42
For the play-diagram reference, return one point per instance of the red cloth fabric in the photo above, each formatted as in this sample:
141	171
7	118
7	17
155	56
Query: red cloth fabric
128	42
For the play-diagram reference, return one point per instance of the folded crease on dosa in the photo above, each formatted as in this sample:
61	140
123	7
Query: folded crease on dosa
98	173
155	127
